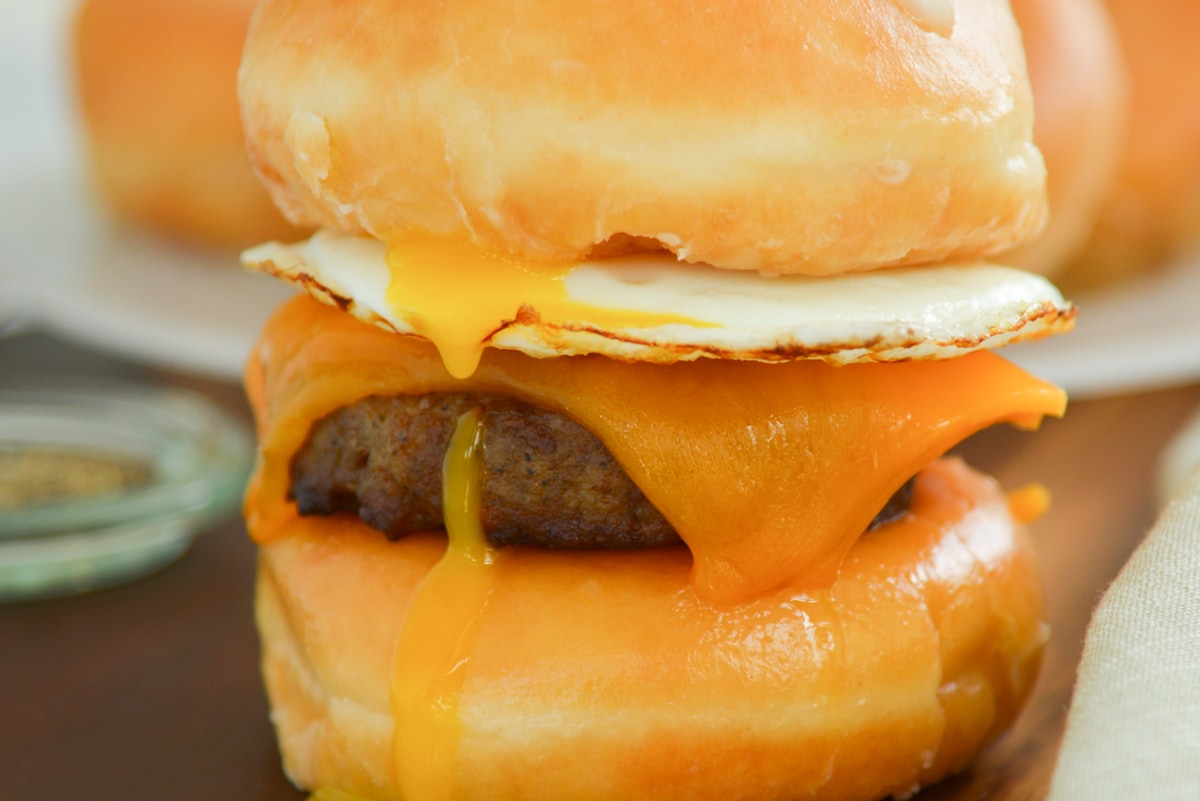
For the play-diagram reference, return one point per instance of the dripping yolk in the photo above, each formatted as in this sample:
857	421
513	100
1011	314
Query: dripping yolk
433	650
458	296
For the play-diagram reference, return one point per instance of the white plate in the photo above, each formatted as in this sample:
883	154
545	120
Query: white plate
1141	335
63	266
68	269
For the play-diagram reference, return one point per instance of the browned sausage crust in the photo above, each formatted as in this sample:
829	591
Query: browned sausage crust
547	480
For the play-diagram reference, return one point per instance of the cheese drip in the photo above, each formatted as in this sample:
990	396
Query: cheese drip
437	636
457	296
769	472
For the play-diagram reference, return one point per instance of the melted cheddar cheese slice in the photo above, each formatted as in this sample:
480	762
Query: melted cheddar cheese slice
769	472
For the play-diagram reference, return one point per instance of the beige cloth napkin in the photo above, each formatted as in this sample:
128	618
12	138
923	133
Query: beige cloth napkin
1133	731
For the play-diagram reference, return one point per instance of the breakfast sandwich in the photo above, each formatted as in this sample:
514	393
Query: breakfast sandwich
603	455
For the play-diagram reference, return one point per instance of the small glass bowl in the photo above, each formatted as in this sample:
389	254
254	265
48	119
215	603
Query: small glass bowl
195	462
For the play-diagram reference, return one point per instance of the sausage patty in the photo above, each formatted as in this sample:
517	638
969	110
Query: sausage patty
547	481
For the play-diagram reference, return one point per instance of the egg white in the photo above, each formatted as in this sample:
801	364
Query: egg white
930	312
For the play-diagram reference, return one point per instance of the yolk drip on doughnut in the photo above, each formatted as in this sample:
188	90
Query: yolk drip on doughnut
440	627
459	296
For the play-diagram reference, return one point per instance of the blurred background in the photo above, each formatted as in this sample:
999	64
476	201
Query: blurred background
125	440
125	317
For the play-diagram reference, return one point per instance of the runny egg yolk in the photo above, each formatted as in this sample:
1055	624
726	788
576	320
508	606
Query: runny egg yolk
457	296
439	630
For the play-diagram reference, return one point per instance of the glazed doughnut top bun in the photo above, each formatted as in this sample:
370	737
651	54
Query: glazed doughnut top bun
603	455
157	86
784	136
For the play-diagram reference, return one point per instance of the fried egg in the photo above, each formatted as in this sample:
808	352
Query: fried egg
651	307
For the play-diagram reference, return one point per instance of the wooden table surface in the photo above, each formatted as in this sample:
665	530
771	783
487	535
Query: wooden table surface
150	691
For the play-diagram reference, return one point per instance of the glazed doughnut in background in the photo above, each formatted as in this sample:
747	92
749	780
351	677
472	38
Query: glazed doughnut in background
936	621
1153	212
157	86
824	137
1080	93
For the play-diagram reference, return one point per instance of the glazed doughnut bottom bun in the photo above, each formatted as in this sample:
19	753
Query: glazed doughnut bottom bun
602	676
